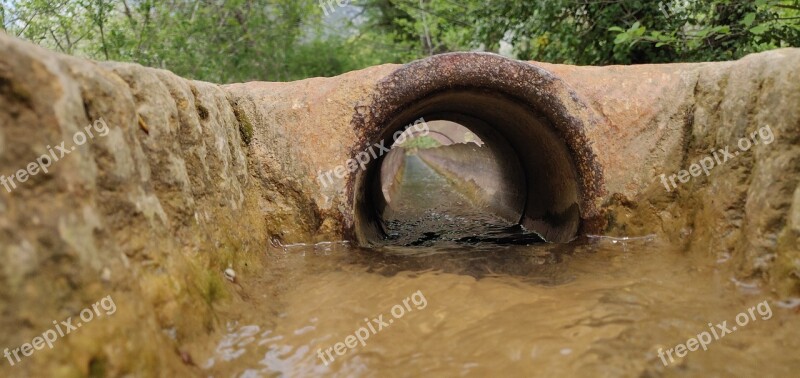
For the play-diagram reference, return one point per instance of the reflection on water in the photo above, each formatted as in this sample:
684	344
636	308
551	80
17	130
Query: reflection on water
598	306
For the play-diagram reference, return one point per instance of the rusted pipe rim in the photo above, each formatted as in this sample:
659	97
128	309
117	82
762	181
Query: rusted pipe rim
533	87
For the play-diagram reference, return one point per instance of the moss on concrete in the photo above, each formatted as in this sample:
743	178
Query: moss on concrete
245	127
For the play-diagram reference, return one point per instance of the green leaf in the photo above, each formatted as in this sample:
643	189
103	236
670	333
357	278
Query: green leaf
721	31
749	19
759	29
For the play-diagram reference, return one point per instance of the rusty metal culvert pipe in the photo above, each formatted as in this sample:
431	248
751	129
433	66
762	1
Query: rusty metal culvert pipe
521	111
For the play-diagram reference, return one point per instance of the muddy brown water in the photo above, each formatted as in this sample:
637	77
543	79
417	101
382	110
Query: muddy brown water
459	293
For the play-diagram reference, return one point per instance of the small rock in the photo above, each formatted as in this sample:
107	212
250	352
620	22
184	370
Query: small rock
186	358
230	274
105	275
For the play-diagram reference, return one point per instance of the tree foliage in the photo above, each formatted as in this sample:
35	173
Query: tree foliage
589	31
222	41
240	40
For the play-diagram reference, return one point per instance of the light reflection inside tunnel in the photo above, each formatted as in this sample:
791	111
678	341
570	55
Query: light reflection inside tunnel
446	185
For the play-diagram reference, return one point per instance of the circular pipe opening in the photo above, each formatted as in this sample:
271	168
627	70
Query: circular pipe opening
533	124
446	181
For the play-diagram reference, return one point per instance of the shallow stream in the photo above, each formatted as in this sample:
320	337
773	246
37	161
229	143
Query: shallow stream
497	303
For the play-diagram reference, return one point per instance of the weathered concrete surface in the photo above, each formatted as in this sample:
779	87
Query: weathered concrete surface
150	213
661	119
193	176
303	130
